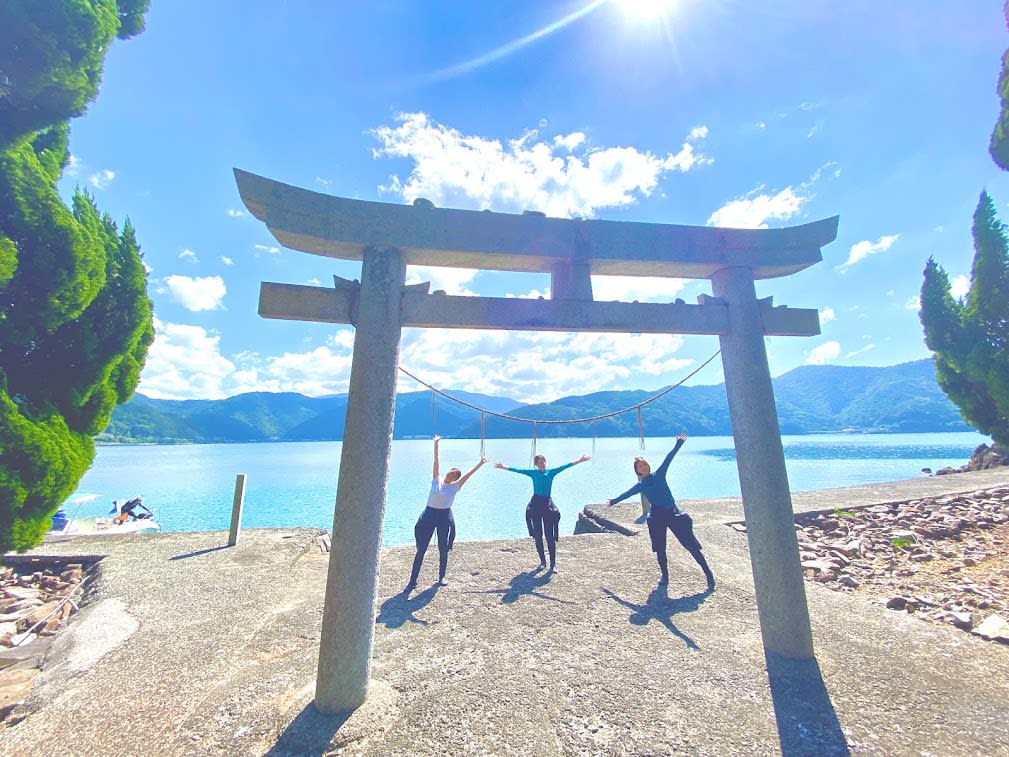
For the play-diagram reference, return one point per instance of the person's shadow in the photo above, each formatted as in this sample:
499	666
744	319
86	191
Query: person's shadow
662	608
525	584
398	609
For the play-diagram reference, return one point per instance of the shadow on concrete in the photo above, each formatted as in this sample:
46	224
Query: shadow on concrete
310	733
661	607
807	723
198	552
398	609
526	584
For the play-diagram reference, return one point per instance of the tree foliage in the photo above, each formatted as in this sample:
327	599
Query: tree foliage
999	146
969	337
75	319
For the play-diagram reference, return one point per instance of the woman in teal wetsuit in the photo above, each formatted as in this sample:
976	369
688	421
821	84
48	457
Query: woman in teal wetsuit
542	516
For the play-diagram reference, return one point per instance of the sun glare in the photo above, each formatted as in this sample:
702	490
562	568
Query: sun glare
645	10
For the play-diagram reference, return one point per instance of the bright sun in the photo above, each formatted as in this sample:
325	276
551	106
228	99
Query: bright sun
645	10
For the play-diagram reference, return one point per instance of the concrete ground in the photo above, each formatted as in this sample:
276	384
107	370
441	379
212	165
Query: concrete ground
188	647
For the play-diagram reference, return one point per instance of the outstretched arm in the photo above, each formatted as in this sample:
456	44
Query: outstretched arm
633	490
501	465
581	459
472	470
661	472
436	472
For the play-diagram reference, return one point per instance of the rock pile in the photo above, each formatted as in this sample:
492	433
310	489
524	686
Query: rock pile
944	560
982	458
35	601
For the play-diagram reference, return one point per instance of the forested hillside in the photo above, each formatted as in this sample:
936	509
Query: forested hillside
810	399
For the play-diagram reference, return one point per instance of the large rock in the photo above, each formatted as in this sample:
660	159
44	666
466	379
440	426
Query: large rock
985	457
995	628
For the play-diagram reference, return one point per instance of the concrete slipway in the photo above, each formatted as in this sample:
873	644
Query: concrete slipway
188	647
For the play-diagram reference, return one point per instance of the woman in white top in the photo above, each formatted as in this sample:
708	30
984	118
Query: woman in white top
437	516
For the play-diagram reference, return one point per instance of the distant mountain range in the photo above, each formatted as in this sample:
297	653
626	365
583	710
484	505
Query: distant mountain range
810	399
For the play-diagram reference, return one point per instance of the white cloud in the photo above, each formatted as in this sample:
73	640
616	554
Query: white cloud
959	286
755	210
102	179
189	255
861	350
234	213
266	248
541	366
562	177
322	182
184	362
815	129
74	165
450	280
570	142
196	294
913	303
631	288
226	260
827	315
823	354
861	250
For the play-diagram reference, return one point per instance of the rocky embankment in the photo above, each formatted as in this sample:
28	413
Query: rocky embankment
943	560
35	602
982	458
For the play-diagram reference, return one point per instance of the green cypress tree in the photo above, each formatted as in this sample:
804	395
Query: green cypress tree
75	319
999	146
968	337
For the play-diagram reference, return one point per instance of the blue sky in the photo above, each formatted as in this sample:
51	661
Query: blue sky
705	112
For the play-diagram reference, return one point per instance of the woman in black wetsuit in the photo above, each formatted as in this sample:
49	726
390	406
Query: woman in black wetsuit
437	516
664	513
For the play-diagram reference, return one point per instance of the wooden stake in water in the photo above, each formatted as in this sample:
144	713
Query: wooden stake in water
236	509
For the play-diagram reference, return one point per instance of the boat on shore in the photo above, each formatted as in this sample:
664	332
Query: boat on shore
124	519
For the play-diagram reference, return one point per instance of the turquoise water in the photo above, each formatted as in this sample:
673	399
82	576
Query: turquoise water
190	487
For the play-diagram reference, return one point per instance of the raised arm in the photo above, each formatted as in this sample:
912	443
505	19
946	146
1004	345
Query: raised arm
472	470
661	472
581	459
436	472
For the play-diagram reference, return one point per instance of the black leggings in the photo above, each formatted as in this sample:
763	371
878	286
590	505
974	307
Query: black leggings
682	526
543	518
432	520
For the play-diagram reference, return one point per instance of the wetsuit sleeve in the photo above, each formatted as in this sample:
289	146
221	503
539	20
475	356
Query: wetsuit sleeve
633	490
554	471
524	471
661	472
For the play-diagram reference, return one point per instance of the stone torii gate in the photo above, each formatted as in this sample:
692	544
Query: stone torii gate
387	237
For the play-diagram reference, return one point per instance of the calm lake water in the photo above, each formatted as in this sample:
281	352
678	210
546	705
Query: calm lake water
190	487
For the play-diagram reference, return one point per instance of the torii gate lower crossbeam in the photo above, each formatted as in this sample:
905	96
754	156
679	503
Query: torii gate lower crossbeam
571	250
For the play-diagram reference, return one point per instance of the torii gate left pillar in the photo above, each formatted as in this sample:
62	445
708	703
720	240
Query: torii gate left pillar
388	237
352	581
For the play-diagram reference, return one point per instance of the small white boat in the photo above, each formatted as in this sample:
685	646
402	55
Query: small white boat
94	525
125	520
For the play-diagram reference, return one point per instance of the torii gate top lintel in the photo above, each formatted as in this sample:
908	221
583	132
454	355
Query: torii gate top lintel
339	227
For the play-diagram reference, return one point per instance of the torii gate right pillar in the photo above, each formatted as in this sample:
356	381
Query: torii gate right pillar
763	480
